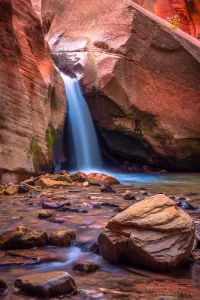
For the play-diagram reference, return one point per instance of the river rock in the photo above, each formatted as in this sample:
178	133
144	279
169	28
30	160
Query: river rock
100	178
23	238
62	238
11	190
22	189
153	233
46	284
3	286
47	182
79	177
61	177
85	267
44	214
106	188
128	195
54	204
26	257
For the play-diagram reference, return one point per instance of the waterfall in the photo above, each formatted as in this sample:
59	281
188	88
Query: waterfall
83	144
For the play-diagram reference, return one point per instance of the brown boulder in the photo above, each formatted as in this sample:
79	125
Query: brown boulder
11	190
46	284
128	195
44	214
79	176
62	238
85	267
153	233
141	79
100	178
3	286
23	238
31	91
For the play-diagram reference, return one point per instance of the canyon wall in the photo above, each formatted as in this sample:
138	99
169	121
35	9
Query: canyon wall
141	79
187	10
32	94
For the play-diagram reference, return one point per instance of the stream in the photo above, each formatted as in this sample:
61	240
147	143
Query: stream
111	281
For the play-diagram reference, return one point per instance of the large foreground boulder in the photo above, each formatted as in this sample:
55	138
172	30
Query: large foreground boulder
31	91
46	284
153	233
141	79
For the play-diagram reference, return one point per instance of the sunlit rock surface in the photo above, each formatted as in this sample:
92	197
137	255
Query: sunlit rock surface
31	93
187	10
153	233
46	284
141	79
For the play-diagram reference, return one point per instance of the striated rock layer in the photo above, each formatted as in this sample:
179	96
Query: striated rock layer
187	10
153	233
31	93
141	79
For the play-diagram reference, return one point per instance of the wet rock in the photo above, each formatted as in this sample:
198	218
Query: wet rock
153	233
62	238
128	195
44	214
30	181
26	257
11	190
76	210
64	172
46	284
145	194
47	182
3	286
106	188
79	177
95	248
196	255
2	191
85	267
54	204
23	238
59	177
56	220
107	204
185	205
100	178
22	189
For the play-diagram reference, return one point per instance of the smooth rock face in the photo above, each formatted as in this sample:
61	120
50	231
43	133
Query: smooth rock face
153	233
187	10
23	238
46	284
141	79
31	91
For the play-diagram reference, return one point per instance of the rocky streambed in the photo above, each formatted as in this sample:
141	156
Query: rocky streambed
73	215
